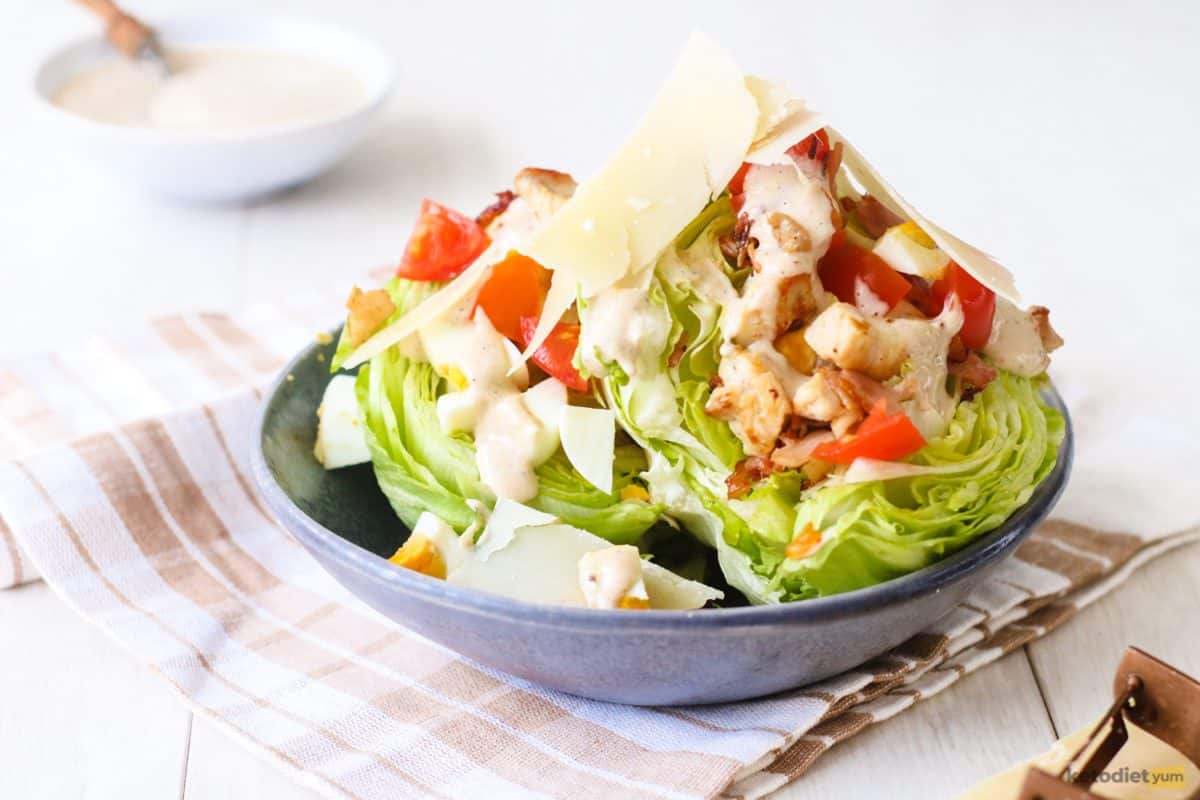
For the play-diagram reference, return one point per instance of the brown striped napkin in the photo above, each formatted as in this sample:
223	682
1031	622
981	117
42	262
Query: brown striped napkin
123	482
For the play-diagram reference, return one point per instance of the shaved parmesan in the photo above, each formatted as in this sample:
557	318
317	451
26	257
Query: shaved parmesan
985	269
506	519
775	104
682	154
541	565
589	439
783	120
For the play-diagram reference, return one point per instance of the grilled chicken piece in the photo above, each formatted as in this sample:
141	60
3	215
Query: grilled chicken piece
791	235
824	398
545	190
368	312
842	334
752	399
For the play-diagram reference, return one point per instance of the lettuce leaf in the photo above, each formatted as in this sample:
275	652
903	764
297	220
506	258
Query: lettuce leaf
997	449
421	468
1005	442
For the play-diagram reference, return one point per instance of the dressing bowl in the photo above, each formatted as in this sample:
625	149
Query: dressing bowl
222	166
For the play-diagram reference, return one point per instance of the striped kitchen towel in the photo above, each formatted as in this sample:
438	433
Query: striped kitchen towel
123	483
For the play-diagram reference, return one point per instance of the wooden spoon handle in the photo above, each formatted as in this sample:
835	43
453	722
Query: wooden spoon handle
126	33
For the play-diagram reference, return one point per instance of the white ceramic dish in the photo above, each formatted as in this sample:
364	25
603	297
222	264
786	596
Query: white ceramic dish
204	167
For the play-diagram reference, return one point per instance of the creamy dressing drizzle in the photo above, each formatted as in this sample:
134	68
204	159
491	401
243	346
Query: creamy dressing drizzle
1014	343
611	574
867	301
928	344
788	190
791	378
625	326
507	435
214	90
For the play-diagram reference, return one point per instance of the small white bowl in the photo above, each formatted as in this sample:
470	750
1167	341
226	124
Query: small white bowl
216	167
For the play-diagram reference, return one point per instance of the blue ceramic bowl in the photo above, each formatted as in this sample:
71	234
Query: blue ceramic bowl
643	658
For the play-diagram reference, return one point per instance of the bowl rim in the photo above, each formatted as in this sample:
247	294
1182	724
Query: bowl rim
977	555
379	83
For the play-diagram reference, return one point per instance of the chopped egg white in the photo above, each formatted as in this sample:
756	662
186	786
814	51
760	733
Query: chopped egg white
340	437
905	254
546	401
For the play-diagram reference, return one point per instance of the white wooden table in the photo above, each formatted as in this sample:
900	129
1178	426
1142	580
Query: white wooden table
1059	139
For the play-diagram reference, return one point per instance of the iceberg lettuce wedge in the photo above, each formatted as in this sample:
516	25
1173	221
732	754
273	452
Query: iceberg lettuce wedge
996	450
421	468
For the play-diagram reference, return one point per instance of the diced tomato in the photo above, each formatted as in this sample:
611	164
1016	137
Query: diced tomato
517	288
815	146
737	191
443	244
978	304
844	263
556	353
882	436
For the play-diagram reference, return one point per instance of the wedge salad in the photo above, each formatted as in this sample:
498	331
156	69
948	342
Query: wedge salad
734	363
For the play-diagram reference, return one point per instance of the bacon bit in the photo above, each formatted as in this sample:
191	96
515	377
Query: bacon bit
807	542
734	245
503	199
973	372
748	472
920	294
715	382
794	428
677	354
958	351
875	217
1050	338
831	169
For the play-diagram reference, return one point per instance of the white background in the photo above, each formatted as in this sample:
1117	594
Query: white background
1062	137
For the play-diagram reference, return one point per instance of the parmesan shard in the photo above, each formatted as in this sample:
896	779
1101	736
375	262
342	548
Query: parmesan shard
540	564
588	438
682	154
783	120
505	520
985	269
